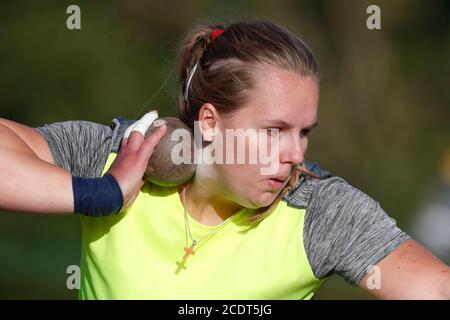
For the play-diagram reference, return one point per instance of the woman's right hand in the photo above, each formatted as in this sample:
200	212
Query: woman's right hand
129	166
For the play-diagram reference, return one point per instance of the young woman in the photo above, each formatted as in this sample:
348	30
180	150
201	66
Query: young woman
229	232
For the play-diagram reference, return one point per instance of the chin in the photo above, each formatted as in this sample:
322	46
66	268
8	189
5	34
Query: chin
261	198
266	199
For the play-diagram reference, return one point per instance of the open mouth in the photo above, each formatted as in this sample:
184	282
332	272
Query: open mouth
276	183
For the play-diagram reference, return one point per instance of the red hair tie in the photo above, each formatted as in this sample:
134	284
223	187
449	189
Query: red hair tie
216	33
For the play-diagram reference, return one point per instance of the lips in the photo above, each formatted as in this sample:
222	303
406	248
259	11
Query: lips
277	182
281	179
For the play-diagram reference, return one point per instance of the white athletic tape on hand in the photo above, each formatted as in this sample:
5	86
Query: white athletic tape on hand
142	124
145	122
128	131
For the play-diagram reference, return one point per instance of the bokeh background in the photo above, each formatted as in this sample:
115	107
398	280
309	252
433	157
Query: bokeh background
383	116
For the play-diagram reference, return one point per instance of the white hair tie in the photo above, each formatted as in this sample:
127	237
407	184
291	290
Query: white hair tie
186	90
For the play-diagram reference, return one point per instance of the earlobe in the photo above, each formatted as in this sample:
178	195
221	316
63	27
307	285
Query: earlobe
207	131
209	135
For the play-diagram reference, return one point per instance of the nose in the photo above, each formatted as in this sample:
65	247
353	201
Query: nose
293	152
294	156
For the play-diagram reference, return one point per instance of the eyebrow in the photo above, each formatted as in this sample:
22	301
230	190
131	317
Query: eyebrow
315	124
283	123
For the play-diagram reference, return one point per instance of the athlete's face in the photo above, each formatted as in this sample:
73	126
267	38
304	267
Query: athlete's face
282	100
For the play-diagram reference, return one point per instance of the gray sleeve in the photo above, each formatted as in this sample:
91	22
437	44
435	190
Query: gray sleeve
346	231
81	147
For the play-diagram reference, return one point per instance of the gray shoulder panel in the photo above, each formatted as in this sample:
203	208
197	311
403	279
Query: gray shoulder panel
345	230
81	147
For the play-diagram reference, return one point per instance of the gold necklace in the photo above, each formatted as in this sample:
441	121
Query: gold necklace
189	250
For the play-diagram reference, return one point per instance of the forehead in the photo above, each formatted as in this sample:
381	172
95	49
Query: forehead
284	95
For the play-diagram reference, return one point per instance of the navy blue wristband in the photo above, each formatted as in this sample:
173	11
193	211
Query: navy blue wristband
96	197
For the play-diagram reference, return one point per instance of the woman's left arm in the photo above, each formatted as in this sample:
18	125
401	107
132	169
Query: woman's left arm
348	233
408	272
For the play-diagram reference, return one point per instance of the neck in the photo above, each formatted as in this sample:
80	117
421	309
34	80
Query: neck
206	205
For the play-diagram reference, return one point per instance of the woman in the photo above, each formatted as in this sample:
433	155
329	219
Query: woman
229	232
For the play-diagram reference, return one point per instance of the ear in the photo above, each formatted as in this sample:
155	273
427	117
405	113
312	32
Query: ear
208	118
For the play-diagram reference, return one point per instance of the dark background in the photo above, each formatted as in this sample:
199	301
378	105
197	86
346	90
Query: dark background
383	116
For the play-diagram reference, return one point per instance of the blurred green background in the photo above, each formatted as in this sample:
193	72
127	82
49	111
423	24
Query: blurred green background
383	116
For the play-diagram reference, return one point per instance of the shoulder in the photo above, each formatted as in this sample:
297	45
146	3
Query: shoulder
326	190
302	193
82	147
345	230
78	146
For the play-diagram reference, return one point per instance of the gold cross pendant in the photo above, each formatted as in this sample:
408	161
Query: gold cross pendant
188	251
182	264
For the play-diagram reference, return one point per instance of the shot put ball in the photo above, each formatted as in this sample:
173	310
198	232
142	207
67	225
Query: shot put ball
161	170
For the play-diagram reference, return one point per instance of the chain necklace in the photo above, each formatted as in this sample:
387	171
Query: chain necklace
189	250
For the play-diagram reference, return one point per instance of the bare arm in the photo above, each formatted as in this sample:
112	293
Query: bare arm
409	272
348	233
29	180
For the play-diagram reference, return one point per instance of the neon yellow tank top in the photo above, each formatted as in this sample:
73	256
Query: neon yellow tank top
136	254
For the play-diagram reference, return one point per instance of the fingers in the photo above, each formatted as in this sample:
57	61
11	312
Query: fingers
142	124
145	122
124	143
151	141
134	135
135	141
